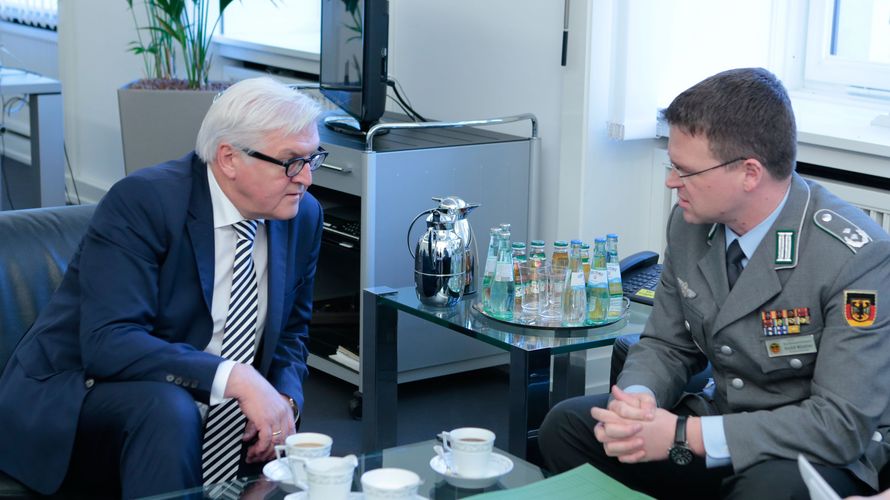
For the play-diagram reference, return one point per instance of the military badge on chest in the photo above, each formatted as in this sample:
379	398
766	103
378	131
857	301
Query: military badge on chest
860	307
784	321
783	327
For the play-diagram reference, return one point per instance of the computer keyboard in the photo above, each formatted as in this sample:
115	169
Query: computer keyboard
639	284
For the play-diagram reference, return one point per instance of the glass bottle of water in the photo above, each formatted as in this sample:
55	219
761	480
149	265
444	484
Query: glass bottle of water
559	265
598	285
616	294
520	269
490	261
503	288
585	260
533	292
574	300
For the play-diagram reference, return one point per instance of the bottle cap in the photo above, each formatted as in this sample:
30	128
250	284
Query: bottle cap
612	235
560	243
538	243
576	242
599	239
585	246
518	244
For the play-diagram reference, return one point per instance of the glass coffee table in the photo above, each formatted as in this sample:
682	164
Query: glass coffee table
415	457
532	388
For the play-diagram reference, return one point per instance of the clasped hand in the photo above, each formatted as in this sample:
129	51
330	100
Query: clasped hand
633	429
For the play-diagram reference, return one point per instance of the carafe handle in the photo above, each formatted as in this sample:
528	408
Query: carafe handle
408	236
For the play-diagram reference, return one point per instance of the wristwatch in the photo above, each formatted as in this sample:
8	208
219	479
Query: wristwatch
293	407
680	453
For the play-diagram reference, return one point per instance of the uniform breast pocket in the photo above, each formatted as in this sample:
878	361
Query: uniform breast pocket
789	355
694	323
787	366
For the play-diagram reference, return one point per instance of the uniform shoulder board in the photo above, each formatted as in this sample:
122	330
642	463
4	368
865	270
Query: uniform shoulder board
841	228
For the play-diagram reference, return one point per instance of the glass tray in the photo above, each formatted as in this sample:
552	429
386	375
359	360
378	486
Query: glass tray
529	320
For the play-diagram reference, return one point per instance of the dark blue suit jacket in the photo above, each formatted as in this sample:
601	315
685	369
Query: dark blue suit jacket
135	305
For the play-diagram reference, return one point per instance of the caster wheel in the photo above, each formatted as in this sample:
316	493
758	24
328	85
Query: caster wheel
355	406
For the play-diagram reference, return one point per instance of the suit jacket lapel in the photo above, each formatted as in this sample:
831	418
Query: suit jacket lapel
762	278
277	243
200	228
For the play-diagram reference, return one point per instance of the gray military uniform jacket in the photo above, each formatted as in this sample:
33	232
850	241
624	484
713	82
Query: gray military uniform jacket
822	391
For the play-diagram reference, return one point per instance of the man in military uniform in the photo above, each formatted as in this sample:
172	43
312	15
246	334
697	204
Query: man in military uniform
778	284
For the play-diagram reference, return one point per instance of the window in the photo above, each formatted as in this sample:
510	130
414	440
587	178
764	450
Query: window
848	44
282	25
661	48
37	13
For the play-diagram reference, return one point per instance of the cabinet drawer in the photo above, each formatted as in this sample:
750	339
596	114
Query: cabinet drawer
340	171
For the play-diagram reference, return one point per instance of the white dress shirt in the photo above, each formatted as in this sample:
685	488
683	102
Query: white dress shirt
224	215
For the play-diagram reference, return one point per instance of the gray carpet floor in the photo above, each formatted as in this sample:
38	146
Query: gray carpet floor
426	407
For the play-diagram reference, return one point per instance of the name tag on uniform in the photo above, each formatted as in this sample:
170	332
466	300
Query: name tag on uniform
788	346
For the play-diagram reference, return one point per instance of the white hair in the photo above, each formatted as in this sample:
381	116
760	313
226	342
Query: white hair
245	113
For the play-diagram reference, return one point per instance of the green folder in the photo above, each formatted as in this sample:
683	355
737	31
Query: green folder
582	483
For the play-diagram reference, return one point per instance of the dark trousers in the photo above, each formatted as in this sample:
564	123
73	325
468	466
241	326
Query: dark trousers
567	440
136	439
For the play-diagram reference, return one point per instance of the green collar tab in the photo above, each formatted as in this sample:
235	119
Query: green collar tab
786	243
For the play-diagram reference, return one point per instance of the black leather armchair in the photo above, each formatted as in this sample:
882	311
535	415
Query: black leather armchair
35	247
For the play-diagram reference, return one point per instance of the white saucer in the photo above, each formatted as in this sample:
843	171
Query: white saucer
303	495
277	470
353	495
498	466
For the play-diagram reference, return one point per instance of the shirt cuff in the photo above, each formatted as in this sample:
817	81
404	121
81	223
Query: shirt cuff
636	389
714	438
220	380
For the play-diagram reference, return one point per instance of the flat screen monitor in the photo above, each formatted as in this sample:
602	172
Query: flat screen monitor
354	39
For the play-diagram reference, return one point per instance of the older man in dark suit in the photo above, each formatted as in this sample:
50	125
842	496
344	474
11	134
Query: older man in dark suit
175	348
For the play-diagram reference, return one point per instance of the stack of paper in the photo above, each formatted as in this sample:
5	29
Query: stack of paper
582	483
346	358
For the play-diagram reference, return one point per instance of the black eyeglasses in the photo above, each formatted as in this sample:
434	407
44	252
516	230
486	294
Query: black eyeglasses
294	166
677	170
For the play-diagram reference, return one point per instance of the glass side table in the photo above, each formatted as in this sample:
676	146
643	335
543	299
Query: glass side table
530	348
415	457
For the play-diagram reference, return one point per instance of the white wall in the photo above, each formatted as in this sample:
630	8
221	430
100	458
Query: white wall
466	59
93	64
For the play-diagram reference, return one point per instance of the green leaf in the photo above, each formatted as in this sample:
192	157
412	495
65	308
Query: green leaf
351	5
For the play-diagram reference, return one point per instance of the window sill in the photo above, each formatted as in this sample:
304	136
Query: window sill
842	124
303	61
41	34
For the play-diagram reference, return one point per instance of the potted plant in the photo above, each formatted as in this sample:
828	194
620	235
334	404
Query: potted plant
161	113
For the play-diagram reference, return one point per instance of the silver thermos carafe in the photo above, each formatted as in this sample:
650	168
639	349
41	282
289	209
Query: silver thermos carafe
459	209
442	261
439	269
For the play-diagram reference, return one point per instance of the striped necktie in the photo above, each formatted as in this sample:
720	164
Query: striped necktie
225	422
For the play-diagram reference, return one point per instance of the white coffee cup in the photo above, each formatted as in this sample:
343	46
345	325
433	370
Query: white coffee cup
390	483
330	478
298	448
470	449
